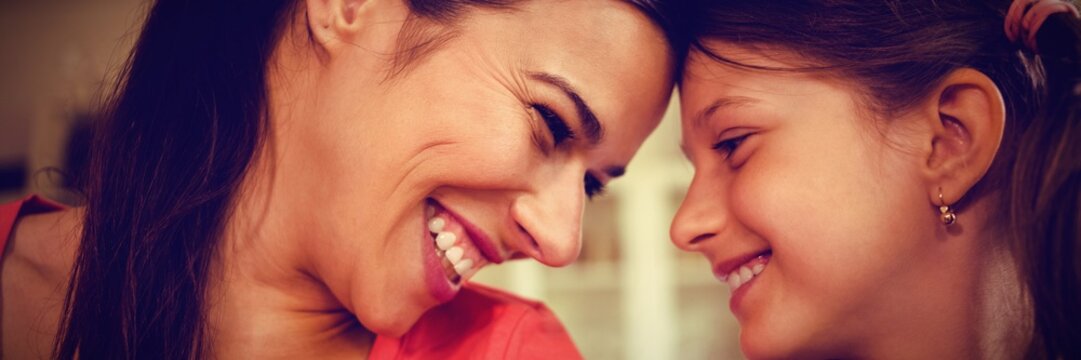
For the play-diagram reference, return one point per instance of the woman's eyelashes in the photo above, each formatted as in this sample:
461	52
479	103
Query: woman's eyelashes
561	133
556	125
594	187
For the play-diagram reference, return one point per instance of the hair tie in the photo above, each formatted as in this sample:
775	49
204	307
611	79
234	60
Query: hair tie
1025	17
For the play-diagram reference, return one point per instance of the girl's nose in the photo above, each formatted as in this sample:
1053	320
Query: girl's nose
701	216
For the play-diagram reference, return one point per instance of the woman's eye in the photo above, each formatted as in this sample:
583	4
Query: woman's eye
593	186
559	129
728	146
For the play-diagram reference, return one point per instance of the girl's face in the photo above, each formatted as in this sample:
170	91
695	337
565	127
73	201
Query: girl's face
814	214
481	151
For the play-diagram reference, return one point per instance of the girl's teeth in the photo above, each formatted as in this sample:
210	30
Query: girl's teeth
463	266
454	254
745	274
733	281
436	224
445	240
741	276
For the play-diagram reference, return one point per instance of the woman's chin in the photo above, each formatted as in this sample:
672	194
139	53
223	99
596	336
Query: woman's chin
390	322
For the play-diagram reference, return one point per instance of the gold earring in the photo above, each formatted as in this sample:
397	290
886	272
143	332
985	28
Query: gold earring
947	215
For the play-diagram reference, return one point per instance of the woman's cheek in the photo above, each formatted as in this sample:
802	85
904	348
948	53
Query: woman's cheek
500	160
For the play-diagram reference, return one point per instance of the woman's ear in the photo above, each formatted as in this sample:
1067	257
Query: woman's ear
966	115
336	22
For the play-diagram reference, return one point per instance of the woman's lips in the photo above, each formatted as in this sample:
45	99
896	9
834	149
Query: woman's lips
459	251
475	235
454	250
438	285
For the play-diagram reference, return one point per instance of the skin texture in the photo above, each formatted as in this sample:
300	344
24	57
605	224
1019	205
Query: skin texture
861	265
324	248
338	217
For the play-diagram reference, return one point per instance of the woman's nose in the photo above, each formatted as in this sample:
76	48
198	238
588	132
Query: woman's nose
550	216
701	216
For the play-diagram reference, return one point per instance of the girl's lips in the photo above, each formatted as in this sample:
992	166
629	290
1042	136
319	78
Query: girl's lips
740	273
723	269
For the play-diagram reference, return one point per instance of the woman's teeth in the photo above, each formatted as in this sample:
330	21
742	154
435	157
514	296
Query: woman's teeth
445	240
452	255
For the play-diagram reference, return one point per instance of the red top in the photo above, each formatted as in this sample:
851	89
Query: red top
480	323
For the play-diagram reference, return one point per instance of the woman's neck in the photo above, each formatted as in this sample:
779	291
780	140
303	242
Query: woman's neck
259	317
264	299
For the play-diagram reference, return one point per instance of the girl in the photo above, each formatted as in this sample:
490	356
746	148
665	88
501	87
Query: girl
888	179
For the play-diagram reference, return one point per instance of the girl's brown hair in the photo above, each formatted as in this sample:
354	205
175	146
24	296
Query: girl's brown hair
897	51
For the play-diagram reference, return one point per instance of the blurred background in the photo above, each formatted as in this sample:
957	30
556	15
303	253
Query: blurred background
631	295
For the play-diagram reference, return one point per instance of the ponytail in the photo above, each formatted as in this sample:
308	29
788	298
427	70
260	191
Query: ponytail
1045	200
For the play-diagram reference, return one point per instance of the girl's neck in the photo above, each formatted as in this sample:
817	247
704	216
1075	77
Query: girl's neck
972	305
1005	311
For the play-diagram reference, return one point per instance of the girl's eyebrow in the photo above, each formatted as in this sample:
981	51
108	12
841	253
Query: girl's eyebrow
702	117
719	103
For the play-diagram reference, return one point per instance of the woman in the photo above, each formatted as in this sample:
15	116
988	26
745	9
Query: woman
888	179
306	179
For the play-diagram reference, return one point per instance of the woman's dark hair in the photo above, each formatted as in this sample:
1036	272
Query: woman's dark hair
173	146
896	52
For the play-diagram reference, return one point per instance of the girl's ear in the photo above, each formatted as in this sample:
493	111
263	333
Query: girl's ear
966	115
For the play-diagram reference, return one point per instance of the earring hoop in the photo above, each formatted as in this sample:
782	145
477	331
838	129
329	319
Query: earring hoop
947	215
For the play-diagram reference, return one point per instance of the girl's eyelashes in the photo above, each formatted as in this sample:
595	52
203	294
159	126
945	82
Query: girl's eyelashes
556	125
728	146
593	186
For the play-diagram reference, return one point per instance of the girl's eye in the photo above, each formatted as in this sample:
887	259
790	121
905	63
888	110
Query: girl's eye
593	186
559	129
728	146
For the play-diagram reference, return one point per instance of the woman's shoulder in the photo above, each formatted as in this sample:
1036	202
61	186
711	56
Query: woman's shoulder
483	323
41	233
39	238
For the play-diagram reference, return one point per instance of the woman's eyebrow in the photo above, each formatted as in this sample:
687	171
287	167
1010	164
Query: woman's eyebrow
592	128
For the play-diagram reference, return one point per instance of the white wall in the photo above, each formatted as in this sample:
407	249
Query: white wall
56	59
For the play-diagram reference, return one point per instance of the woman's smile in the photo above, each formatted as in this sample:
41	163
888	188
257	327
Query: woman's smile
456	250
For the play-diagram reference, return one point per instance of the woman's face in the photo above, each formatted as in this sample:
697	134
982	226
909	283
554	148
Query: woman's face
814	214
488	144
